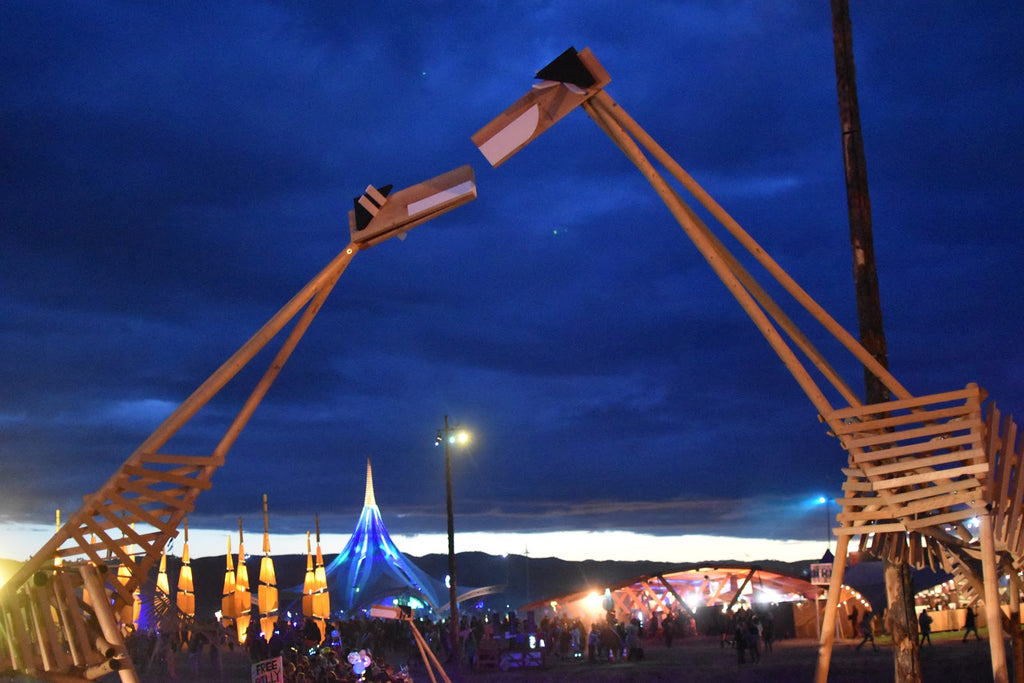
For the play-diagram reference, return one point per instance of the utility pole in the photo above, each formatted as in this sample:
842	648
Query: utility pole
901	617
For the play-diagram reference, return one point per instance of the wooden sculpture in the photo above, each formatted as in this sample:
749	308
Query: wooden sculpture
918	467
156	489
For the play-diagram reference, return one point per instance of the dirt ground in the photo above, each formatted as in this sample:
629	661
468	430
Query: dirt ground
704	660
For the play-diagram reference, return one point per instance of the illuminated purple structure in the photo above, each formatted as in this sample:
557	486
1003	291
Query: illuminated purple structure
372	570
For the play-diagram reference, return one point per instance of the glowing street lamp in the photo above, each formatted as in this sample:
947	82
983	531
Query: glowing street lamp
451	435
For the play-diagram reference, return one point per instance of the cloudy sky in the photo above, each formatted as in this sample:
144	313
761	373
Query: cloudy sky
172	173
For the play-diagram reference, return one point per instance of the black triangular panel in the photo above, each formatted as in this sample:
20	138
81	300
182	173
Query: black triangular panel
363	217
567	68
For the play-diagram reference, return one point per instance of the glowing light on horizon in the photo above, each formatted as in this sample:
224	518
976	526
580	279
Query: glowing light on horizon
22	540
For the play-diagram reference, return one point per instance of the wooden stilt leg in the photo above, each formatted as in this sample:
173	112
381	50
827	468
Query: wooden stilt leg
71	619
428	657
828	628
1016	637
993	613
106	621
50	644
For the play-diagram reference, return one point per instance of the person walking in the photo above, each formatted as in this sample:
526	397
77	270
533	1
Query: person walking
925	623
867	631
970	624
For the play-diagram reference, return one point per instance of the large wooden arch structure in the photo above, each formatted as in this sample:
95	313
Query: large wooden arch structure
917	467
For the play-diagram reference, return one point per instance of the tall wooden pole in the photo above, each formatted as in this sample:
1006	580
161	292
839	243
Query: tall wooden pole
900	618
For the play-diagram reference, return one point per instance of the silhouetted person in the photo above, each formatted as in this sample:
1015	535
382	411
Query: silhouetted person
925	623
970	624
767	632
867	631
739	636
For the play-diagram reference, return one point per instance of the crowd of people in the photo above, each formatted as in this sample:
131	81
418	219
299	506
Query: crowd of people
360	648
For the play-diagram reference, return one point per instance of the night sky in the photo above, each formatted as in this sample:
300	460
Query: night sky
172	173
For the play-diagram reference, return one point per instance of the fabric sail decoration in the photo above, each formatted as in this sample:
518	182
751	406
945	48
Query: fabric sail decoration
267	590
243	597
228	606
186	595
321	597
309	581
162	596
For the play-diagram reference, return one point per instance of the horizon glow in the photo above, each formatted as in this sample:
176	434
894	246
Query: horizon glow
23	540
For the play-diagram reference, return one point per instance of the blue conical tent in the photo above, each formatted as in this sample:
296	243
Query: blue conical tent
371	569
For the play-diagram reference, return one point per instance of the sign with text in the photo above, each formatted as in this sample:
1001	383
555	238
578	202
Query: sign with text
821	574
268	671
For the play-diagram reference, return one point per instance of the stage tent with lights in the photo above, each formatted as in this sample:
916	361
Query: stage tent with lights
702	593
372	570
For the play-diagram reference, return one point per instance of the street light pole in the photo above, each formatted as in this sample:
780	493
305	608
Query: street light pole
452	602
448	434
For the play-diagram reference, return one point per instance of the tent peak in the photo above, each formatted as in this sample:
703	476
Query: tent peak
369	499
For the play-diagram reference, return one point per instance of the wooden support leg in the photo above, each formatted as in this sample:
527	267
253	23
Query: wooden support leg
993	613
71	619
29	663
1016	637
828	628
10	635
107	622
50	644
428	657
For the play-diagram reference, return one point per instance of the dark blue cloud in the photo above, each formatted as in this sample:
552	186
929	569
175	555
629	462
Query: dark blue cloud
172	174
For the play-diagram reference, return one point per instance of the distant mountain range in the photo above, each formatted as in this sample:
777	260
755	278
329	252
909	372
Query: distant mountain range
526	579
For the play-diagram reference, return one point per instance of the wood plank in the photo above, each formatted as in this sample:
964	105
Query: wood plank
917	449
939	502
866	515
1001	483
971	391
918	433
150	517
938	520
911	464
934	490
915	508
49	641
72	621
938	475
166	496
1015	513
111	545
878	425
86	547
193	460
869	529
124	525
166	477
16	615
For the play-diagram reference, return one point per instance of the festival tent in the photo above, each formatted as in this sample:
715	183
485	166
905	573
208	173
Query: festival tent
701	593
371	569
